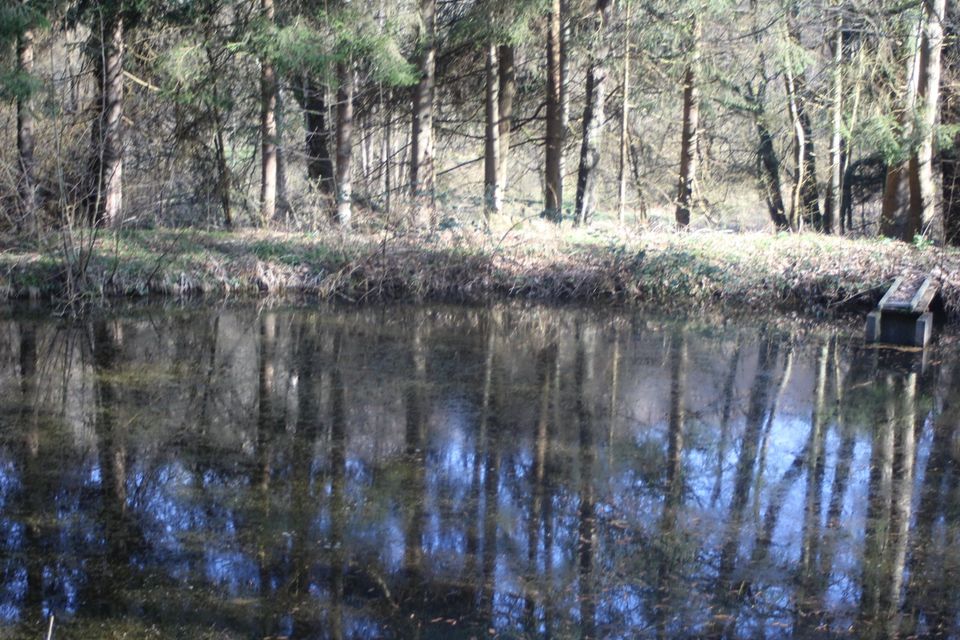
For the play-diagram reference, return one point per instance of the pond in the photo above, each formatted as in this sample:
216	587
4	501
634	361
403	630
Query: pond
464	472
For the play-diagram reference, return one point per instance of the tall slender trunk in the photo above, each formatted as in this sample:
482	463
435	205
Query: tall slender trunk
593	115
831	221
422	168
690	130
566	32
950	158
553	178
923	211
806	199
27	221
492	187
768	162
106	193
805	205
319	162
344	210
624	121
894	218
507	91
268	130
386	153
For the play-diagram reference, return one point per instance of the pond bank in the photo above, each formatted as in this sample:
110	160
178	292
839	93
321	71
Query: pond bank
790	272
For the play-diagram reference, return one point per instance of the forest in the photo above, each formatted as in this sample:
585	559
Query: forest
833	116
479	319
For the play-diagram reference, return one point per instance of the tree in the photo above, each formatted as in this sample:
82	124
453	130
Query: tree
624	119
269	92
492	183
690	127
105	192
923	212
593	114
422	168
908	201
506	92
344	211
805	203
24	24
553	175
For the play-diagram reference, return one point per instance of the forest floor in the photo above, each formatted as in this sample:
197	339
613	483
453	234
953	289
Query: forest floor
810	273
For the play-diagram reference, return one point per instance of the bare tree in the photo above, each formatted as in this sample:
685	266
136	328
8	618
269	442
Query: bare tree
492	186
422	168
553	178
268	129
593	114
690	128
105	196
344	182
27	221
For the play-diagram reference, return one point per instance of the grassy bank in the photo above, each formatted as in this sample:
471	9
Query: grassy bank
803	272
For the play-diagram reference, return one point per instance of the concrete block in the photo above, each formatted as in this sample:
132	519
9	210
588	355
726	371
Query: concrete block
923	330
873	326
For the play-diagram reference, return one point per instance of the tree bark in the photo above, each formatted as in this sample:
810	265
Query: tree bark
492	187
768	163
268	130
950	158
831	222
894	218
923	211
624	120
553	178
422	168
319	161
344	211
593	116
507	92
805	208
690	131
106	194
27	221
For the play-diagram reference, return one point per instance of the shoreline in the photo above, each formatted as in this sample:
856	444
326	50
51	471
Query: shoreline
810	274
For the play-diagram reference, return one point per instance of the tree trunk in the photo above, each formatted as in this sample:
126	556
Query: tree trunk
770	176
624	120
344	143
768	163
923	212
319	162
894	218
492	188
268	131
27	221
507	91
950	158
805	205
553	178
422	168
831	222
566	33
593	116
107	176
690	131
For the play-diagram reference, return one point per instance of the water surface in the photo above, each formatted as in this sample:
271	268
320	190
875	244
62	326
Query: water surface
451	472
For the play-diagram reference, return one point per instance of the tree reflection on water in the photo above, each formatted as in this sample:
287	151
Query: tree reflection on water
467	472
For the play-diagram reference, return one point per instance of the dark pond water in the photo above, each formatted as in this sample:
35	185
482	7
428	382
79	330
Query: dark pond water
449	472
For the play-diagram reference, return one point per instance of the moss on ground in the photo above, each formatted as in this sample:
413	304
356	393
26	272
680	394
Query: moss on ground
803	272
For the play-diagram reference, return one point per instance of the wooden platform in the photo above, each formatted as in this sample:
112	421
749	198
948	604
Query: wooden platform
903	316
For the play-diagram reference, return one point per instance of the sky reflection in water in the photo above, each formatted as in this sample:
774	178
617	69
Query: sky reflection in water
461	472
